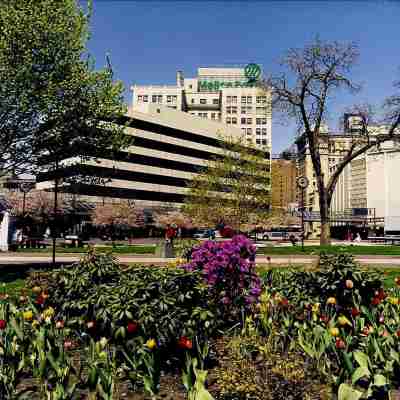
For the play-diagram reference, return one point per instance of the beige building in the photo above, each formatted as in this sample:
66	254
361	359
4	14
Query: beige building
227	95
283	175
368	182
169	148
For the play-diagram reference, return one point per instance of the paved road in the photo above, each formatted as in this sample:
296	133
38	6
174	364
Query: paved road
7	259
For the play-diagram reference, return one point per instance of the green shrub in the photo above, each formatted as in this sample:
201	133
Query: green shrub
329	280
163	303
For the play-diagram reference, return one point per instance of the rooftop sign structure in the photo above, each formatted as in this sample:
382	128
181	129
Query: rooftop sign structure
252	73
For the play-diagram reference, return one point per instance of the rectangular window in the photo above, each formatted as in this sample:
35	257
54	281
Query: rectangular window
264	142
169	99
258	121
192	101
212	115
228	120
249	109
174	98
215	101
264	121
261	99
261	110
139	99
264	131
234	110
249	121
234	99
243	110
154	98
203	101
228	99
244	131
228	110
234	120
243	99
249	131
159	98
249	99
258	131
243	121
145	98
258	141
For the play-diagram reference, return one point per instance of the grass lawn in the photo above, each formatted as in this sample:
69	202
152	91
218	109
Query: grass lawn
386	250
119	249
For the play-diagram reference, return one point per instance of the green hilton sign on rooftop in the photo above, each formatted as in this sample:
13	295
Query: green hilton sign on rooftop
252	73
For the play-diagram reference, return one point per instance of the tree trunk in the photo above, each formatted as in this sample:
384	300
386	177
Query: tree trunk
324	206
325	239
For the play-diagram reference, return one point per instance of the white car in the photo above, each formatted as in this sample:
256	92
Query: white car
276	235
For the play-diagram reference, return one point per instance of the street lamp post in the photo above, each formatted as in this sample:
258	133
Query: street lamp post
25	188
302	183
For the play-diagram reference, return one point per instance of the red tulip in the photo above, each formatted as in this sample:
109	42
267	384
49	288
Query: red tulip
398	333
375	301
355	312
3	324
60	324
132	327
340	344
284	302
40	300
381	294
185	343
67	344
324	318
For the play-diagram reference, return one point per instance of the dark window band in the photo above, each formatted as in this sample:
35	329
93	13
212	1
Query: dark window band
104	191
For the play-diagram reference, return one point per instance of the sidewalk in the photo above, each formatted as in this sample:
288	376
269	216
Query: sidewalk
35	258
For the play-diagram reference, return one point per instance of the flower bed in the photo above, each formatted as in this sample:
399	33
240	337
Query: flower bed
210	328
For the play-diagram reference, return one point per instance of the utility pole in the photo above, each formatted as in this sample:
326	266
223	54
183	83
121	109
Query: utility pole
302	183
54	234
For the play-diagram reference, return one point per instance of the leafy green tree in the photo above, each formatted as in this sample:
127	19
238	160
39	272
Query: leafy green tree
234	188
53	104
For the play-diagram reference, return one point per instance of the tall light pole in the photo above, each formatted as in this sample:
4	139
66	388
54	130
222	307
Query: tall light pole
302	183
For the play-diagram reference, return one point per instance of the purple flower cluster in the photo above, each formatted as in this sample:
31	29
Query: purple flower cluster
229	269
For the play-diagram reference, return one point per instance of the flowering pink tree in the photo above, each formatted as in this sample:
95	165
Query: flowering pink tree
163	218
38	203
123	213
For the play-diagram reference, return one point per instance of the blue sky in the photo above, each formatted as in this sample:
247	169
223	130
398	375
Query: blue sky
150	40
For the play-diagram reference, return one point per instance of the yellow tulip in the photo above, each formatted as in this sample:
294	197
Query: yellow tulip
331	300
394	300
334	332
151	344
48	312
28	315
343	321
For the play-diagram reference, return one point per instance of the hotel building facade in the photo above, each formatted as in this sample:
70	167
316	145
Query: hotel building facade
231	96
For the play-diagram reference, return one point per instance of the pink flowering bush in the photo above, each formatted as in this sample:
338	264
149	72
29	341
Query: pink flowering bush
229	270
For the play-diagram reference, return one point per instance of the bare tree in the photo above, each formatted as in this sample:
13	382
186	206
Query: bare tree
315	74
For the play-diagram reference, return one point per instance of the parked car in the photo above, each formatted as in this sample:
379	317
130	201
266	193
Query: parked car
204	234
278	236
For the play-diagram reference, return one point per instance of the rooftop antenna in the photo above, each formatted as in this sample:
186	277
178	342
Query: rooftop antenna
109	66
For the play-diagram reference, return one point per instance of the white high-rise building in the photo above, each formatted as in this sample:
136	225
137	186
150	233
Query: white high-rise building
228	95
